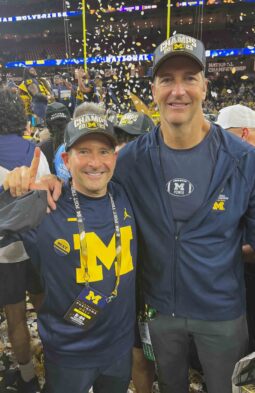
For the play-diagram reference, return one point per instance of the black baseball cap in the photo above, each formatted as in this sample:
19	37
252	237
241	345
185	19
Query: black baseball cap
135	123
86	125
179	45
56	111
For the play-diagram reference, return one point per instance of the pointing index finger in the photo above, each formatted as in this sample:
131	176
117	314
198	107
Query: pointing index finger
34	165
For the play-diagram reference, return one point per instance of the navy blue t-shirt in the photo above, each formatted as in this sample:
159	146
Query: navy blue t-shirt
55	248
188	173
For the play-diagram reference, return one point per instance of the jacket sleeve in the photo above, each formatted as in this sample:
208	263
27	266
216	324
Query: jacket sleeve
23	213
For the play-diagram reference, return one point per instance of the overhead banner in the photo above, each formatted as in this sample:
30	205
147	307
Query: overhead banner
50	15
80	61
132	58
227	66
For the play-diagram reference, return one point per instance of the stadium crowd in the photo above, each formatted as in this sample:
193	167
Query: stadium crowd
113	88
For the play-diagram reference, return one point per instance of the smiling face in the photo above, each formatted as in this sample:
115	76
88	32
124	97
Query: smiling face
91	162
179	90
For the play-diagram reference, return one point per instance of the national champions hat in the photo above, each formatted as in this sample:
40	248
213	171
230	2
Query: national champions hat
86	125
179	45
135	123
236	116
56	111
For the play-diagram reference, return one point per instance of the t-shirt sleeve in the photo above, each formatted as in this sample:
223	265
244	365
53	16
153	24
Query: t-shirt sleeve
43	168
3	173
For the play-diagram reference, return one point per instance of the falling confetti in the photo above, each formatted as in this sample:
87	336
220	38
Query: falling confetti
108	34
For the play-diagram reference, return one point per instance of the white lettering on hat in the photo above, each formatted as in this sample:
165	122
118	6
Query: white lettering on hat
178	42
90	121
129	118
58	115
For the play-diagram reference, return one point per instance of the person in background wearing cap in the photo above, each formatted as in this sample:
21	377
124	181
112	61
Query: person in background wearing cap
86	253
16	273
56	118
192	187
240	120
130	126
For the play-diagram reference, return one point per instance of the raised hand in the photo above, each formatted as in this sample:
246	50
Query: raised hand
23	179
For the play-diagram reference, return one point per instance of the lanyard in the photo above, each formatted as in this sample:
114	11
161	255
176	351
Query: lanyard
83	242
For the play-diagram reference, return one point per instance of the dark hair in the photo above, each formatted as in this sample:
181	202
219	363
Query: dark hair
57	129
13	118
123	137
26	73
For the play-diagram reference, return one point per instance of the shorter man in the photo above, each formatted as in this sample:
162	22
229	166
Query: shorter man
86	252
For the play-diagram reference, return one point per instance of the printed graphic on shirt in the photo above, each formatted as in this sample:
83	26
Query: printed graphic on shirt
61	247
99	254
220	204
179	187
126	215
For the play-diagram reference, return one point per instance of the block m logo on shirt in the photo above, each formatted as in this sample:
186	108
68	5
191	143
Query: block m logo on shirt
101	254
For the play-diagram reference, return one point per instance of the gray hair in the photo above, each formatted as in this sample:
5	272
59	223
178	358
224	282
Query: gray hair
89	107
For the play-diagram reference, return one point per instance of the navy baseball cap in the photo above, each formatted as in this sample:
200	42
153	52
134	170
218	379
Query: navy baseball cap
179	45
86	125
135	123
